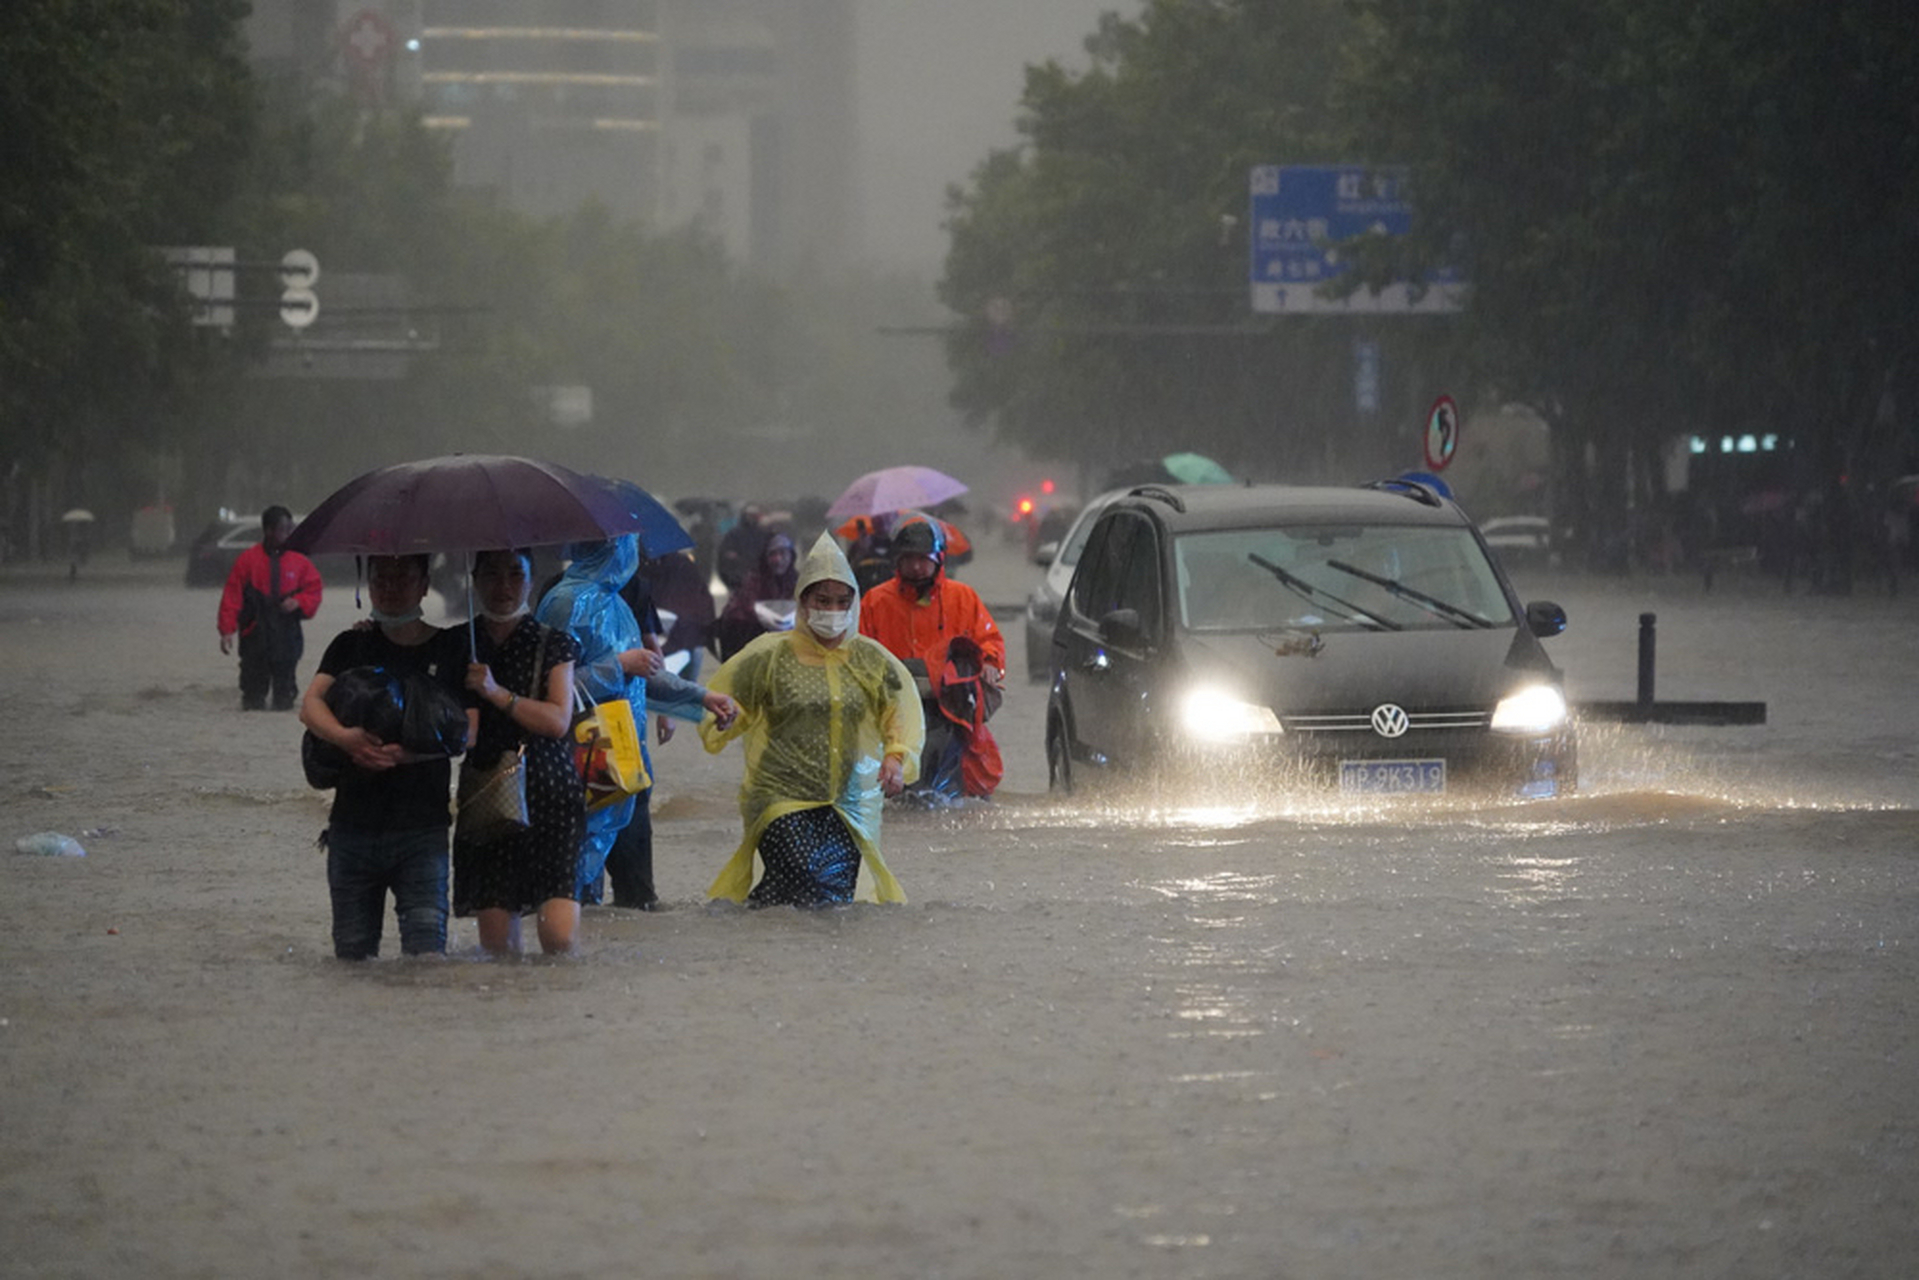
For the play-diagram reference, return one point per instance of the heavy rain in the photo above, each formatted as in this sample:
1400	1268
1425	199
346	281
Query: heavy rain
1201	1018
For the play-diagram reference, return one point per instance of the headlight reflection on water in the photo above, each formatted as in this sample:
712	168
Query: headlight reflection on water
1531	880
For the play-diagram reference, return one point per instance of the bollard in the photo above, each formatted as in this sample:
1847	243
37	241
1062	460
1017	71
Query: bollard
1646	710
1648	642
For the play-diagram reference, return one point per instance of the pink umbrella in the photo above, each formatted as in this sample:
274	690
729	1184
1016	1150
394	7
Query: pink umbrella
894	489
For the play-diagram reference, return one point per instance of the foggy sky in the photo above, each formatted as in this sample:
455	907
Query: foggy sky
939	86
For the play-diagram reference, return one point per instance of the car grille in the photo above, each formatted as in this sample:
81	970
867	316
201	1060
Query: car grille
1362	721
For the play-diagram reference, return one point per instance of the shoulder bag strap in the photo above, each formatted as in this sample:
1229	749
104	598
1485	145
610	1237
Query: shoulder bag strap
539	661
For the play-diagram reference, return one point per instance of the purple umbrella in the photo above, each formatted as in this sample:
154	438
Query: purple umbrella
894	489
477	501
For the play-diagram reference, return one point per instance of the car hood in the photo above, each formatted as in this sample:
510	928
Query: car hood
1362	669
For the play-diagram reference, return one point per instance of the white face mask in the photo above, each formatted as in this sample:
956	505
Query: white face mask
386	619
491	616
829	624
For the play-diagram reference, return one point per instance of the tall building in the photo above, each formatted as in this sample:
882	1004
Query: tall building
736	115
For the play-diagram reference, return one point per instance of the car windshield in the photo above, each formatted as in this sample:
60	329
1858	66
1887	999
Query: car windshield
1075	543
1339	577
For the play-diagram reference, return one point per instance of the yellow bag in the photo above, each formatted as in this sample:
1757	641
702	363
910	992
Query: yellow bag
606	750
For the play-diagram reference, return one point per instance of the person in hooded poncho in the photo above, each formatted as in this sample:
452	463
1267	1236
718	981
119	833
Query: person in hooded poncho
614	663
831	725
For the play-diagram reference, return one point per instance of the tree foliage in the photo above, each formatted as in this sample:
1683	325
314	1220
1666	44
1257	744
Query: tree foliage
135	124
123	122
1682	215
1678	216
1100	267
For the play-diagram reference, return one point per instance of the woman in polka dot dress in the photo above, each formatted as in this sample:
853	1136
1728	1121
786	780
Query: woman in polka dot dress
535	870
831	726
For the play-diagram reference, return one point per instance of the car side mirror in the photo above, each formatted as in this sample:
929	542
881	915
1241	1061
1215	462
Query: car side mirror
1544	618
1121	627
1045	554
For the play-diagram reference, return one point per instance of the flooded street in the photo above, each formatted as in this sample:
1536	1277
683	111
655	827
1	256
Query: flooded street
1664	1027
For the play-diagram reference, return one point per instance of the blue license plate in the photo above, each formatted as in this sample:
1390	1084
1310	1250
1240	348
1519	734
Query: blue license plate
1392	777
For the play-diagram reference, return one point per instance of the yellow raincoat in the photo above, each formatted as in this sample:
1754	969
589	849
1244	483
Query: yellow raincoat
816	723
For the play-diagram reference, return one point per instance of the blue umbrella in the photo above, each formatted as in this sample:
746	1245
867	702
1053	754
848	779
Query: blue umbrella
660	531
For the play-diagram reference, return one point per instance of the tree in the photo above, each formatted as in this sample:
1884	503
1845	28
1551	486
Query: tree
124	122
1679	216
1099	267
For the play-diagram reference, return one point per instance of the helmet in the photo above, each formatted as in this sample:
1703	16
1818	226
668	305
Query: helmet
918	538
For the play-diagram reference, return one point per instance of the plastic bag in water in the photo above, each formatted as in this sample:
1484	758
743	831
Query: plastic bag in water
50	844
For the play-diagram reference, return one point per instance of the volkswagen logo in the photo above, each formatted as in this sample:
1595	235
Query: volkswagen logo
1389	721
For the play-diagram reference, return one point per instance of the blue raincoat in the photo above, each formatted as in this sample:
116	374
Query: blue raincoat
586	604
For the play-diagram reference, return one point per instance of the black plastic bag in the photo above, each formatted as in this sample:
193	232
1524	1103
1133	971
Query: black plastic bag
433	720
322	761
370	698
411	709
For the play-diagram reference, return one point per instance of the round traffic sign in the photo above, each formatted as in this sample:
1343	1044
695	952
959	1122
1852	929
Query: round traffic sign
299	269
299	307
1442	433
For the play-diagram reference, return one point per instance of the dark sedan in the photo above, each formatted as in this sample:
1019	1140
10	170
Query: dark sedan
1358	638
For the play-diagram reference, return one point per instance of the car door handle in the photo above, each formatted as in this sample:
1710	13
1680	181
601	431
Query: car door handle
1098	662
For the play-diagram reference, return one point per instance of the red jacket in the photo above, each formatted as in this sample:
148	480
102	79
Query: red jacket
298	579
893	614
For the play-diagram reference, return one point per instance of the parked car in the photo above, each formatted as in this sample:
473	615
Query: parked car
1358	638
211	554
1519	542
1042	605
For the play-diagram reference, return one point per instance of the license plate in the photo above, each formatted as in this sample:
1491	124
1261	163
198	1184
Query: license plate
1392	777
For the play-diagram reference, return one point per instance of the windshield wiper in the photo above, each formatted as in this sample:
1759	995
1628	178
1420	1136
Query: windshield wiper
1312	594
1431	604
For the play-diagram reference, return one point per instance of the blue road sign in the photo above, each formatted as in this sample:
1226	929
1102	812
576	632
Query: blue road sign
1301	212
1366	376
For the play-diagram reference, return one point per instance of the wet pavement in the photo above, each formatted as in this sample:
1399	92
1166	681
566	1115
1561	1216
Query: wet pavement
1660	1028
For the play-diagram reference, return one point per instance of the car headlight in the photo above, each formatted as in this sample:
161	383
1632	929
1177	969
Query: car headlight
1041	608
1213	715
1540	709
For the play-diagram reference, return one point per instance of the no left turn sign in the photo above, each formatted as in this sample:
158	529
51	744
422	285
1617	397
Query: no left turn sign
1442	433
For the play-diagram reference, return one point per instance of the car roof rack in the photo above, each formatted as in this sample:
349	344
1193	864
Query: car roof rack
1160	493
1417	490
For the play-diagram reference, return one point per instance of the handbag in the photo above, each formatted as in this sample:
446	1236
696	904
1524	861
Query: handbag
606	750
492	801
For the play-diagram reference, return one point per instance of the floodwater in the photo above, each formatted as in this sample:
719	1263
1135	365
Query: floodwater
1664	1027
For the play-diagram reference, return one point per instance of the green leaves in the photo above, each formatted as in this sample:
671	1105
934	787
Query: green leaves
1099	269
1679	213
122	125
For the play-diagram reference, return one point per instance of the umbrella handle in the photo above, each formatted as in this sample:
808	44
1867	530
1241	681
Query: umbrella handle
472	641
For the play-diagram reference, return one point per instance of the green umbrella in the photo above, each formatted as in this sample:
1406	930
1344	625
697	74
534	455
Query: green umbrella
1195	468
